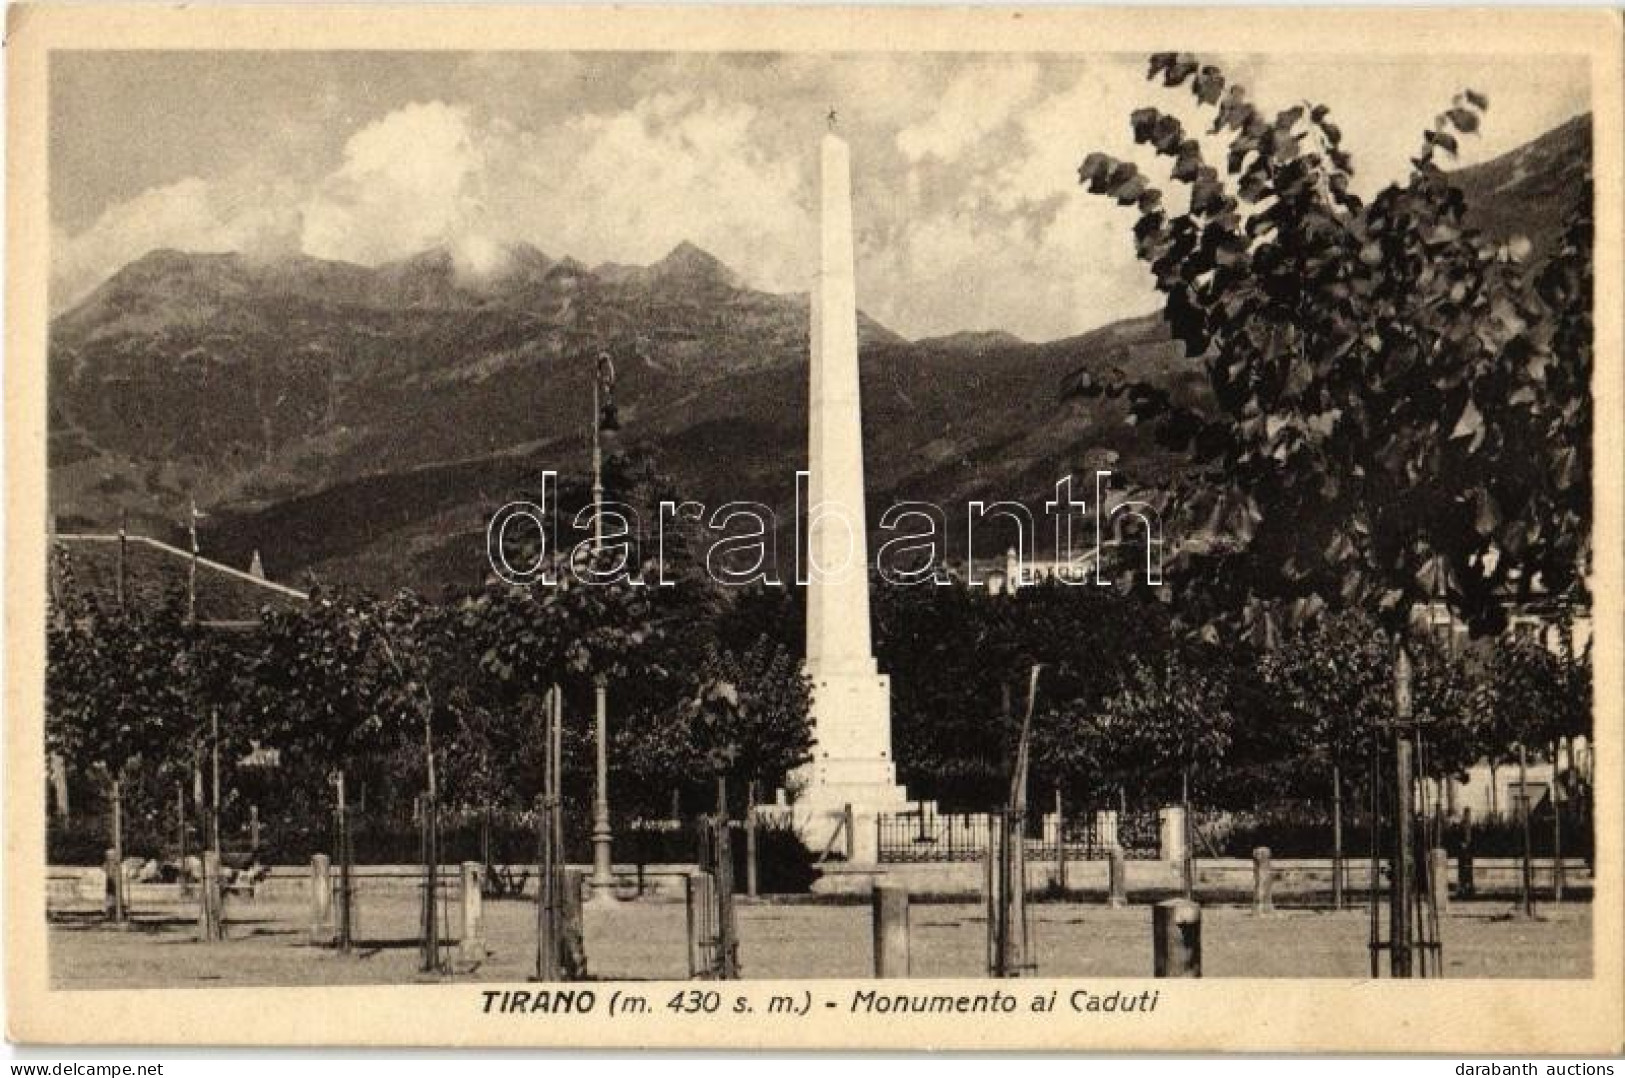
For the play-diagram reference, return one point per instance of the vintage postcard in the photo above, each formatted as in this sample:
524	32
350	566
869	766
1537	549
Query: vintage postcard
815	527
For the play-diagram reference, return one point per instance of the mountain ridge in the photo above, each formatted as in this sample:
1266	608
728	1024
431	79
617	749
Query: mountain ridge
356	422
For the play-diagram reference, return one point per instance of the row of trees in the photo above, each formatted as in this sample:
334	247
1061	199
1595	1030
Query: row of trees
706	683
1132	708
373	688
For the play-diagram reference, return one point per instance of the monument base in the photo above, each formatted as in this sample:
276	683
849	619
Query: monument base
851	766
840	820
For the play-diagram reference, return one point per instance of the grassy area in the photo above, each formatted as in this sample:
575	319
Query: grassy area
268	944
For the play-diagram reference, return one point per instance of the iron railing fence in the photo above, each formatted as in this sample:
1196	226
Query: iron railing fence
920	835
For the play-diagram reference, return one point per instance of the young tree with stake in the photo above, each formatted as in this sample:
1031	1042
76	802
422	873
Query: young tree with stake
323	695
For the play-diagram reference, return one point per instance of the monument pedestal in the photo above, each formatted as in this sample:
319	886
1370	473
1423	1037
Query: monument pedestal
820	818
851	765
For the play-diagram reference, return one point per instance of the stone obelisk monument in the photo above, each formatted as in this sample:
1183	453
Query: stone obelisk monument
851	704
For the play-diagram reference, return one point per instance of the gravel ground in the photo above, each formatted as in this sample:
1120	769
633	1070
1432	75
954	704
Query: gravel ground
268	945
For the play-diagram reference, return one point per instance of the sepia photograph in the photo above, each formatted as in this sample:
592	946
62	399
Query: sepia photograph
955	531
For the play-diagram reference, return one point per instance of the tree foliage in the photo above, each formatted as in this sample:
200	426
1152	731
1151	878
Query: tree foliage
1399	403
1169	721
959	661
1533	696
116	686
1332	687
325	690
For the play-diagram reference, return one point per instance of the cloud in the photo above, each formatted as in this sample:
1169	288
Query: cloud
625	185
238	214
977	271
978	101
998	233
407	182
674	166
1004	237
968	211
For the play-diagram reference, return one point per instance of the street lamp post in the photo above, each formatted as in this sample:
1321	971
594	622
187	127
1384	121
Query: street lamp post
602	882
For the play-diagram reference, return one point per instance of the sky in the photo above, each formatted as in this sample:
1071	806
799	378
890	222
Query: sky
966	203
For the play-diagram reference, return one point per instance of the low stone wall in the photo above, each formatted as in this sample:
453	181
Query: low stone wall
1225	879
291	883
1222	876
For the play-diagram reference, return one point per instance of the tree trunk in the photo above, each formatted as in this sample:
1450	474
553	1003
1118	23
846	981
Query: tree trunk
120	904
750	838
214	793
1188	867
1557	826
180	833
1374	850
1060	843
431	854
1337	837
1528	888
431	886
1401	866
547	887
345	866
485	838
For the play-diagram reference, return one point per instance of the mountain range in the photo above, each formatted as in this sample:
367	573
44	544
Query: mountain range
357	423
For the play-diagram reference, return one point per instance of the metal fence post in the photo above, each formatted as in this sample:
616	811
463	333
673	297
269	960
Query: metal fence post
1060	844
